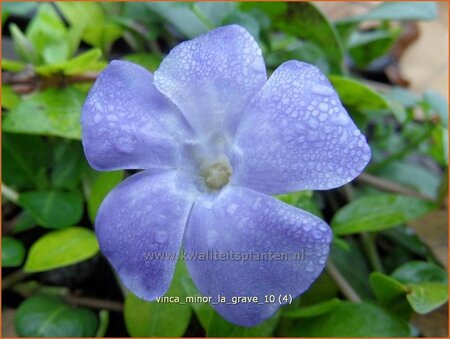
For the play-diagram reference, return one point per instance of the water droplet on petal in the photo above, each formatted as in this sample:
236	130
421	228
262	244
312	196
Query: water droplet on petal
321	90
161	236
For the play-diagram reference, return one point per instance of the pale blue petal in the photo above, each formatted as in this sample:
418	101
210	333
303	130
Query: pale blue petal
127	123
243	221
143	217
296	135
212	78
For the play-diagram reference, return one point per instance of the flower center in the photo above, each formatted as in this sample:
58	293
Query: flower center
217	174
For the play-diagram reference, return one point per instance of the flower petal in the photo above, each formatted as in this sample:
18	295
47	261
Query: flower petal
242	222
142	218
211	78
296	135
127	123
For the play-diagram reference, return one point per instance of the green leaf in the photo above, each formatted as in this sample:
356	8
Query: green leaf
149	61
102	185
216	326
10	99
47	316
22	45
352	320
87	61
61	248
25	160
273	9
54	111
438	105
356	96
417	272
426	297
386	289
314	310
53	209
214	13
219	327
307	22
365	47
303	200
411	175
156	319
12	66
357	274
181	16
24	222
97	28
19	8
68	161
408	10
378	212
13	252
49	35
297	50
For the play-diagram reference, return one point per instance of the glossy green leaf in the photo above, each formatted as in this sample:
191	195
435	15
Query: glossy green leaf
407	10
411	175
12	65
303	200
216	326
426	297
357	274
61	248
49	35
219	327
357	96
273	9
386	289
307	22
156	319
298	50
19	8
47	316
101	186
24	161
68	161
10	99
378	212
13	252
352	320
53	209
53	111
365	47
24	222
214	13
85	62
149	61
181	16
416	272
23	46
313	310
438	105
97	28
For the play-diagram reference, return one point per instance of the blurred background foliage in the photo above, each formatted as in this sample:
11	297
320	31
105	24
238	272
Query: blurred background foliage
386	274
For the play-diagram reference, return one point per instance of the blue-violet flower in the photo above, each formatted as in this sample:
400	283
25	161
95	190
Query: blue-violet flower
215	138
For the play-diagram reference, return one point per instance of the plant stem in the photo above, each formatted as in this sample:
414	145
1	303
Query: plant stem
343	284
9	193
390	186
103	323
368	242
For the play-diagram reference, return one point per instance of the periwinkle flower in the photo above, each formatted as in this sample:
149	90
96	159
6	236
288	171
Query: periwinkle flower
215	138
